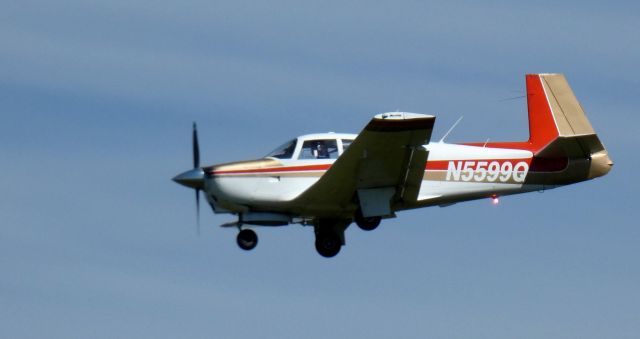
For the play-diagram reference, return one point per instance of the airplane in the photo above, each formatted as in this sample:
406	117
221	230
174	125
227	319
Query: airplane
330	180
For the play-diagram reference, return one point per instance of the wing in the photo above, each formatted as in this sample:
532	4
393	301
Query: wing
383	166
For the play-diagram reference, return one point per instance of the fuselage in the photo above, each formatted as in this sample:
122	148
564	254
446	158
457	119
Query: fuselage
453	173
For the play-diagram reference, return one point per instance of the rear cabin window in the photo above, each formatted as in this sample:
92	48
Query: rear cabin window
319	149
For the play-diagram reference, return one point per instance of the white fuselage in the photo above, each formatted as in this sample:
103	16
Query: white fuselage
453	173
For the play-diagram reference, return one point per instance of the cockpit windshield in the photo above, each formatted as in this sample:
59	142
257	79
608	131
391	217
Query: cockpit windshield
285	151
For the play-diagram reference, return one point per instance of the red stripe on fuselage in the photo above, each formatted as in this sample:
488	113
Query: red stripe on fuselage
537	165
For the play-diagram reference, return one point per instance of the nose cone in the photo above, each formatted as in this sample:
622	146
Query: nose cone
192	178
600	164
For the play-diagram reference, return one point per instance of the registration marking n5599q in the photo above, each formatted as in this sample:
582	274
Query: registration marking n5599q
490	171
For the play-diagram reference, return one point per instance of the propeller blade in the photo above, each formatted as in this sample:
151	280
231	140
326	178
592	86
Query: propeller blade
196	148
198	210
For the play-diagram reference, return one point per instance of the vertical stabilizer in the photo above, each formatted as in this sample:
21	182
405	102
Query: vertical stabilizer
559	133
568	114
558	126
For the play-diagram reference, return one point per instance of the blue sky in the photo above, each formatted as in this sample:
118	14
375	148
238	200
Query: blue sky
97	99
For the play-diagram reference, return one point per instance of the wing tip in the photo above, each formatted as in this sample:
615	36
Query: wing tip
401	116
400	121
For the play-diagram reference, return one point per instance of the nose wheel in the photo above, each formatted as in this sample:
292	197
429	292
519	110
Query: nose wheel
247	239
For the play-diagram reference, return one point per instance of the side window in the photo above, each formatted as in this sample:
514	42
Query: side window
319	149
345	144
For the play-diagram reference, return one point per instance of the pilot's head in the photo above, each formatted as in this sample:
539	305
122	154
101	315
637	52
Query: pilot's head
322	150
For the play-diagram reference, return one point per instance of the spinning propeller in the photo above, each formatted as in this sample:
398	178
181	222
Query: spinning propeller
193	178
196	165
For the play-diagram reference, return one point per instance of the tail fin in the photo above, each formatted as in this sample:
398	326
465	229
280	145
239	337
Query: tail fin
558	126
554	112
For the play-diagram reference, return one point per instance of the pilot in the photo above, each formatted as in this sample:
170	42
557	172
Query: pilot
321	151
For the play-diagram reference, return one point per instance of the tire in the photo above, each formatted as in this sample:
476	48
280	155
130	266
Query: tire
328	245
366	224
247	239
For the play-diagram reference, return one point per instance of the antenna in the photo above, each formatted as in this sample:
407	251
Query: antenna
486	142
451	129
512	98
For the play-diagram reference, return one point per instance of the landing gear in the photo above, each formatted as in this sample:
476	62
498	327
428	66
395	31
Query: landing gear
366	223
328	244
330	236
247	239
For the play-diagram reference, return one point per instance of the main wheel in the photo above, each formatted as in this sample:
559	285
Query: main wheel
247	239
366	223
328	244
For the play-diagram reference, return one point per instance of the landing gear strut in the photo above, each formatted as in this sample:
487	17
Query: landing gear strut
247	239
366	223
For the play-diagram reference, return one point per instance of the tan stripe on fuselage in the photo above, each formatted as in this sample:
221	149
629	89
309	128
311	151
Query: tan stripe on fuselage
441	175
248	165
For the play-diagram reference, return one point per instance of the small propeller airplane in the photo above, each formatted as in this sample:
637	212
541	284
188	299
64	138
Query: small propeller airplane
330	180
